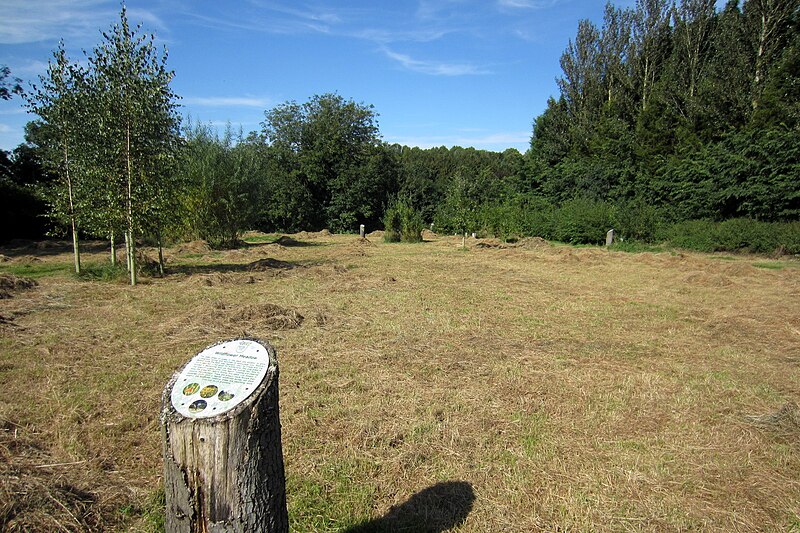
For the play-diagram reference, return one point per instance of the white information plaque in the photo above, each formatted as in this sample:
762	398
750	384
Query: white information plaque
219	378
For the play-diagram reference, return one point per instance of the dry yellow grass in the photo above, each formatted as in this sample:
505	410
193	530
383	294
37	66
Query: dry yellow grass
494	389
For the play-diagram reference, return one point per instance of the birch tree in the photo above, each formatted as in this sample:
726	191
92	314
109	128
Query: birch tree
139	124
57	100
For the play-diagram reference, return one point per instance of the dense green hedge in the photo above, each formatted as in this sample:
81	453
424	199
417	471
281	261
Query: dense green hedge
586	221
738	234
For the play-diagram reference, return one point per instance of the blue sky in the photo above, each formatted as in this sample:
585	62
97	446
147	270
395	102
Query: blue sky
439	72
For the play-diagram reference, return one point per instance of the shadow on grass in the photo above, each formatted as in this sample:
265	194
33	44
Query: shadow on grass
43	248
438	508
266	264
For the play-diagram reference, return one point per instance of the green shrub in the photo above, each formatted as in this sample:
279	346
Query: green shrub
700	235
392	225
403	223
638	221
790	237
583	221
734	235
539	219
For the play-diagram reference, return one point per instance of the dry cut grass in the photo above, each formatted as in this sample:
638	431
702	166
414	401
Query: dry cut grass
423	387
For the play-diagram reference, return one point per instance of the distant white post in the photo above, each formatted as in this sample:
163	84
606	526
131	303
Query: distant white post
362	231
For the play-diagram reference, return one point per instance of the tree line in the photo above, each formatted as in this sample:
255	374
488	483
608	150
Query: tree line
669	112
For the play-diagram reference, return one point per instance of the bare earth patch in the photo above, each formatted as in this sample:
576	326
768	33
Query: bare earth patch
521	387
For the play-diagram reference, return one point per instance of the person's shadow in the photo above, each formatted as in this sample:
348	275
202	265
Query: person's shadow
438	508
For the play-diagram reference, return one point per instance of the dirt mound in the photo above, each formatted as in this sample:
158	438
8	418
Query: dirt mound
533	243
146	264
27	259
270	315
376	235
313	234
192	247
52	245
269	264
493	244
365	242
358	248
428	235
10	284
283	240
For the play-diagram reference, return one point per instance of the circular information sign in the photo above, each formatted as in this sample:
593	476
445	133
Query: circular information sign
219	378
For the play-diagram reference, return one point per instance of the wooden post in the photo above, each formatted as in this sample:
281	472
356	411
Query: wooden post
610	237
223	462
362	230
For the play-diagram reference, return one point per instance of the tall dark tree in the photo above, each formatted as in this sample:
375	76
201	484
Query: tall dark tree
327	144
770	25
650	29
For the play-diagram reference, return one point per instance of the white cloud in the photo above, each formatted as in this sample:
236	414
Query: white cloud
27	21
526	4
435	68
384	36
228	101
490	141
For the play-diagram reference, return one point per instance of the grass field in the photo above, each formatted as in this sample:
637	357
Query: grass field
423	387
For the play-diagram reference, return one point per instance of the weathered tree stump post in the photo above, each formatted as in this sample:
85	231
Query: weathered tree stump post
610	237
223	462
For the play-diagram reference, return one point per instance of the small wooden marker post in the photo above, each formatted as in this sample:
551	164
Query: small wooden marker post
221	431
362	231
610	237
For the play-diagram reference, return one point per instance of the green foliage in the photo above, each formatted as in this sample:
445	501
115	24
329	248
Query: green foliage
635	247
683	108
329	152
402	223
744	235
224	186
638	221
459	212
583	221
392	225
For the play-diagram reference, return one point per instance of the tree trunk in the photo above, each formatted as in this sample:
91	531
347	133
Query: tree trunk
224	472
113	249
127	252
160	253
131	241
76	252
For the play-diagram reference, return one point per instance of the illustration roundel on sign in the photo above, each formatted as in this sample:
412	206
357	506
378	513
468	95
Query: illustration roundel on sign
219	378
